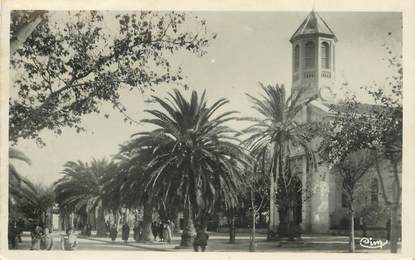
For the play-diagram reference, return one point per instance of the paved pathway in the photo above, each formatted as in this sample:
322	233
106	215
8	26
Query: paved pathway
84	244
218	242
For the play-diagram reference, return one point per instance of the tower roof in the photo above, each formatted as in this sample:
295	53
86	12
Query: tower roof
313	25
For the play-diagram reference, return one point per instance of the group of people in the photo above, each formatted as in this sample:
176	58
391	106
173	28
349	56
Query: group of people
163	230
125	232
42	239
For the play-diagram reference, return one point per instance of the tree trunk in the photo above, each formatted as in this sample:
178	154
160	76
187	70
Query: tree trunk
84	222
232	229
252	245
71	220
118	219
177	227
126	216
392	204
274	175
101	228
396	198
188	229
26	30
147	220
351	228
291	224
394	233
283	226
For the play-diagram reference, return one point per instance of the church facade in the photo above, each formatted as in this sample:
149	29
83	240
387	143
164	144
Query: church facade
323	207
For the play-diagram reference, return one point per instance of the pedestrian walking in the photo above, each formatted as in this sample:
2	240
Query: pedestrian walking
125	232
113	232
136	232
88	229
172	226
200	240
154	229
46	241
160	231
20	224
69	242
140	230
36	235
107	226
167	232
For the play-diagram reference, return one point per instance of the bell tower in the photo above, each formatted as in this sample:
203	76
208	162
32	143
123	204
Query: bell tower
313	66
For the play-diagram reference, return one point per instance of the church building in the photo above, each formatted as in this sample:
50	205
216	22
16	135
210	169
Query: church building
325	209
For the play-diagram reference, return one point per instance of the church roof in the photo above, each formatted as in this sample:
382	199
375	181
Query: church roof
342	107
313	25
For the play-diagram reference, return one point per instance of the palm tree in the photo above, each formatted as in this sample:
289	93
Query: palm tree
196	161
81	189
20	188
272	138
40	204
132	160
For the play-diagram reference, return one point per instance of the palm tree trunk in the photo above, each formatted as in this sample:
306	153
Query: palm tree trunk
147	220
274	175
101	228
177	223
252	245
84	222
188	229
232	229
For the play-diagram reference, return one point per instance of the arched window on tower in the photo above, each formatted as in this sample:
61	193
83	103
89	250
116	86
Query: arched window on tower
309	57
374	192
325	55
296	57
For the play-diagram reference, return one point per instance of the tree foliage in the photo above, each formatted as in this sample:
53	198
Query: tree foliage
274	135
375	129
196	161
42	199
20	188
71	63
81	189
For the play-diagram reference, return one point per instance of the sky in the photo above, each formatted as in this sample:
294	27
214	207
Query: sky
250	47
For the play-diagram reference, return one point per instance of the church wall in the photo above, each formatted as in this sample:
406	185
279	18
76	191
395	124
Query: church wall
320	217
325	209
374	217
